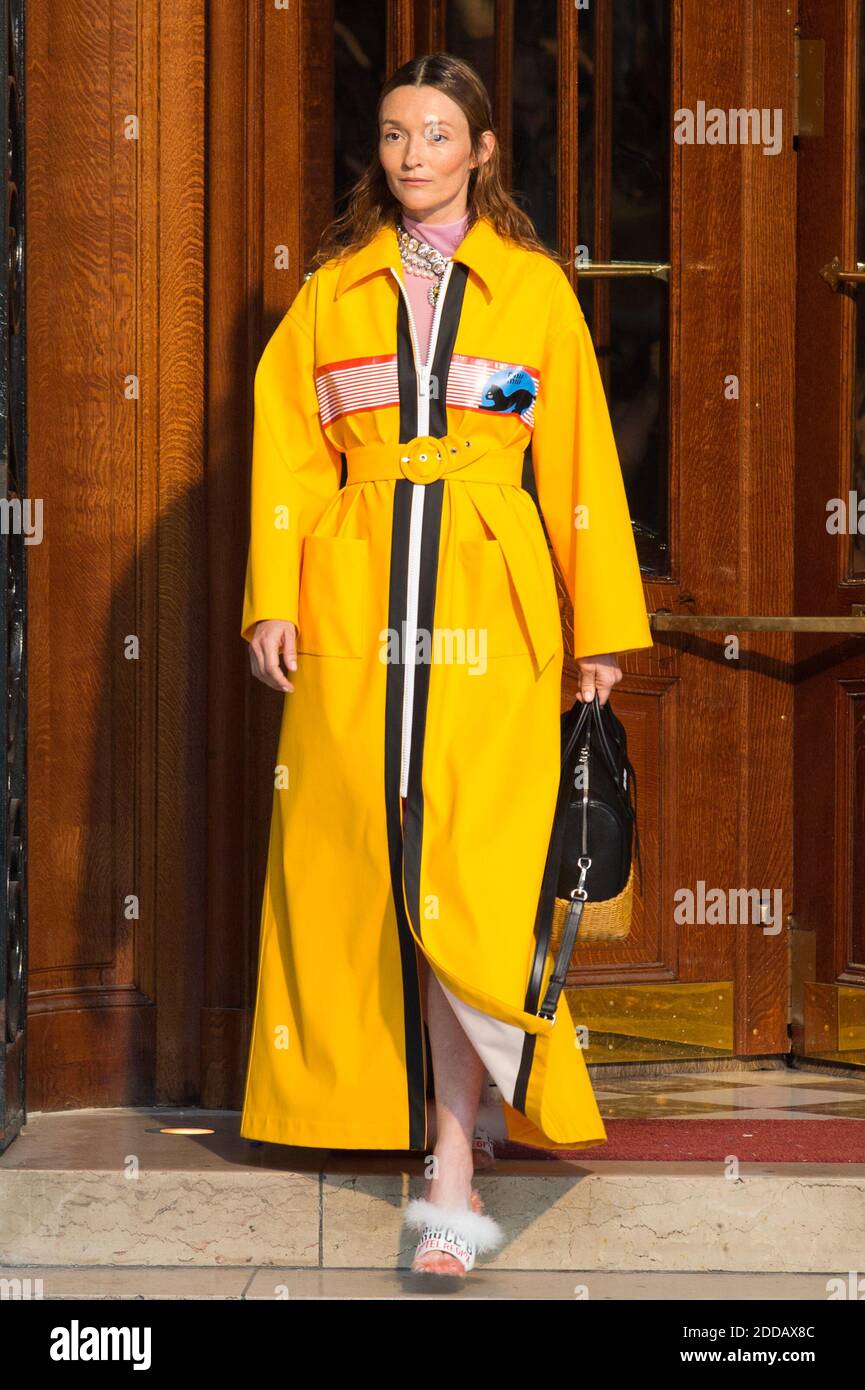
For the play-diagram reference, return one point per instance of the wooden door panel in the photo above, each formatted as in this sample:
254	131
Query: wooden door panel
723	769
117	592
829	1007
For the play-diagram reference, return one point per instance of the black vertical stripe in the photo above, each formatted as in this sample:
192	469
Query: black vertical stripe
447	336
412	1009
415	1041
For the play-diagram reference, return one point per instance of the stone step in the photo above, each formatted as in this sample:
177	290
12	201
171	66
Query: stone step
105	1282
107	1188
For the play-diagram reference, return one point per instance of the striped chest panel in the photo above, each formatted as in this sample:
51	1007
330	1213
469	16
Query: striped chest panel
356	384
484	384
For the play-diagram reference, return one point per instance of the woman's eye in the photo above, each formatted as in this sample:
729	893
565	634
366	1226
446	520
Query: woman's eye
391	135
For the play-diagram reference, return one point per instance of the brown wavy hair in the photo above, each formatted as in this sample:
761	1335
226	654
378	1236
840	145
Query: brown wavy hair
372	205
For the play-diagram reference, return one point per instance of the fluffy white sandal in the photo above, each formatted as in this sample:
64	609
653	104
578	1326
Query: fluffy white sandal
457	1231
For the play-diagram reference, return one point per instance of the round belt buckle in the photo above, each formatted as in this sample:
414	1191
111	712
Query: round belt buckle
422	459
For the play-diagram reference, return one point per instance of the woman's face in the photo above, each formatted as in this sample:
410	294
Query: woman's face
425	151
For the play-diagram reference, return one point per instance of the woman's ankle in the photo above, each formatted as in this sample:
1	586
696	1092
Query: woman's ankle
451	1186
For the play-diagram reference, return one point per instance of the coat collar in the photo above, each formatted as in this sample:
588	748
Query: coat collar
481	249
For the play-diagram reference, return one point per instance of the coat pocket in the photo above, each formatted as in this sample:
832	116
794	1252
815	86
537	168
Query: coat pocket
487	600
332	605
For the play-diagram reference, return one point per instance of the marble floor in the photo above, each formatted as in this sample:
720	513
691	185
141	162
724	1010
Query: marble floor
773	1094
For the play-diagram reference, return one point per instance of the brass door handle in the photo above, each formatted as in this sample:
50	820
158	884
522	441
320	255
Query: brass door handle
608	270
834	275
665	621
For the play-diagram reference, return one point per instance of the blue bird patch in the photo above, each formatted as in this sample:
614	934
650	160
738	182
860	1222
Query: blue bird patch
509	391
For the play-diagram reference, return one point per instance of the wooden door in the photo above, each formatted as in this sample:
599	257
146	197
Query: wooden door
829	902
185	233
118	606
689	207
696	344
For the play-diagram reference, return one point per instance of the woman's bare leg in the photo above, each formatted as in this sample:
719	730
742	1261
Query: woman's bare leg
459	1077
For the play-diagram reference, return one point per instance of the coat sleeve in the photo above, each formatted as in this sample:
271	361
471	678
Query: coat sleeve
581	490
295	469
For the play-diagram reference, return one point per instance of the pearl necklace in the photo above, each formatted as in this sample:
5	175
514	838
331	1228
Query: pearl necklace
420	258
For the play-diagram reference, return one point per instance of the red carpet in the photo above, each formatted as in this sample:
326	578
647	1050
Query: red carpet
683	1141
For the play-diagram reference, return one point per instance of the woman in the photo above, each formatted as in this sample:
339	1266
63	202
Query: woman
406	602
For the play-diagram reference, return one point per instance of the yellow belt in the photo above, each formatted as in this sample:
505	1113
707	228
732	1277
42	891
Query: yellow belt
426	458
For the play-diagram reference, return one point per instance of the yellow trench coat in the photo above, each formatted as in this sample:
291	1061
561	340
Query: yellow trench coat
413	799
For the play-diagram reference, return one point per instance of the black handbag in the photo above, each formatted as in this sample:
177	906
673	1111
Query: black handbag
588	876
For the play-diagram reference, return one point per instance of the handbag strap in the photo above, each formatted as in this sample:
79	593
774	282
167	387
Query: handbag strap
632	780
556	982
546	900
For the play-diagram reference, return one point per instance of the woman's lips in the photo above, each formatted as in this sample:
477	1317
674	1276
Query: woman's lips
417	181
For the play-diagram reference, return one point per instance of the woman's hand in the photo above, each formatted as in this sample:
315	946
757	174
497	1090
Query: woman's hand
272	636
599	673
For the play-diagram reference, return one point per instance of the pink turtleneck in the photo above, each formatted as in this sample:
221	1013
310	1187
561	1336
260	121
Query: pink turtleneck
445	237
